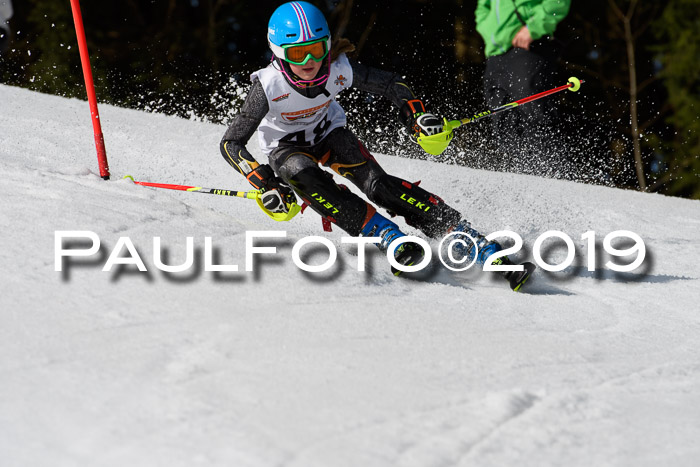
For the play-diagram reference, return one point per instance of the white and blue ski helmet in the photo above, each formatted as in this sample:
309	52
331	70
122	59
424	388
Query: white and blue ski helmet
297	23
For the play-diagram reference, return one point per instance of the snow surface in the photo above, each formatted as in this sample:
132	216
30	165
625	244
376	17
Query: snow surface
285	368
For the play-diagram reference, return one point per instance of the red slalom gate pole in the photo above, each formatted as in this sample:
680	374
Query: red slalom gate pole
90	86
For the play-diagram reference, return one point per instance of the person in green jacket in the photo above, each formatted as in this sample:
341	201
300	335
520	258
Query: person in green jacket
520	61
5	15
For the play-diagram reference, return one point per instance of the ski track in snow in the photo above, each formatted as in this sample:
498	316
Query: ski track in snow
285	368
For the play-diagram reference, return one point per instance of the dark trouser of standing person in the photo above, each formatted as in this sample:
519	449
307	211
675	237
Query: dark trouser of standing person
4	39
5	15
529	138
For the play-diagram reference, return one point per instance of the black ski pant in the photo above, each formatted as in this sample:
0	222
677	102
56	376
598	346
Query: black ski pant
529	137
343	153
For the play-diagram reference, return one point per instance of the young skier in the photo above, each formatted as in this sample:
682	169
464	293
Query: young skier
292	105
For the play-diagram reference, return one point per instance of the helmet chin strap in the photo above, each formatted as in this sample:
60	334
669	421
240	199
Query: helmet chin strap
296	81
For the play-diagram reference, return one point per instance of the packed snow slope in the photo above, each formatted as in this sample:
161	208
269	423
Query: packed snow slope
279	367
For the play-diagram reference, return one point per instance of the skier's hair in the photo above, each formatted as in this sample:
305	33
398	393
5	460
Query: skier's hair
341	46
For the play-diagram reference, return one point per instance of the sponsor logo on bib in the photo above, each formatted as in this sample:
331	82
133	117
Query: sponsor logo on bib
340	80
306	113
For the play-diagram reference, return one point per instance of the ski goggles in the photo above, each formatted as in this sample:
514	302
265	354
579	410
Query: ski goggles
300	54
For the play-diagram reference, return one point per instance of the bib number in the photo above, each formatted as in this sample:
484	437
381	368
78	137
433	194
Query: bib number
298	138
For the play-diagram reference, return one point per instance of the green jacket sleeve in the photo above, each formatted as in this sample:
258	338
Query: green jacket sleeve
543	18
483	8
482	11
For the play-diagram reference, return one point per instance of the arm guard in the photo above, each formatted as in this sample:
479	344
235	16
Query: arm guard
242	128
382	83
391	86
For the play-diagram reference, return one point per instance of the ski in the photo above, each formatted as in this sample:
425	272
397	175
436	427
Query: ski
518	278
